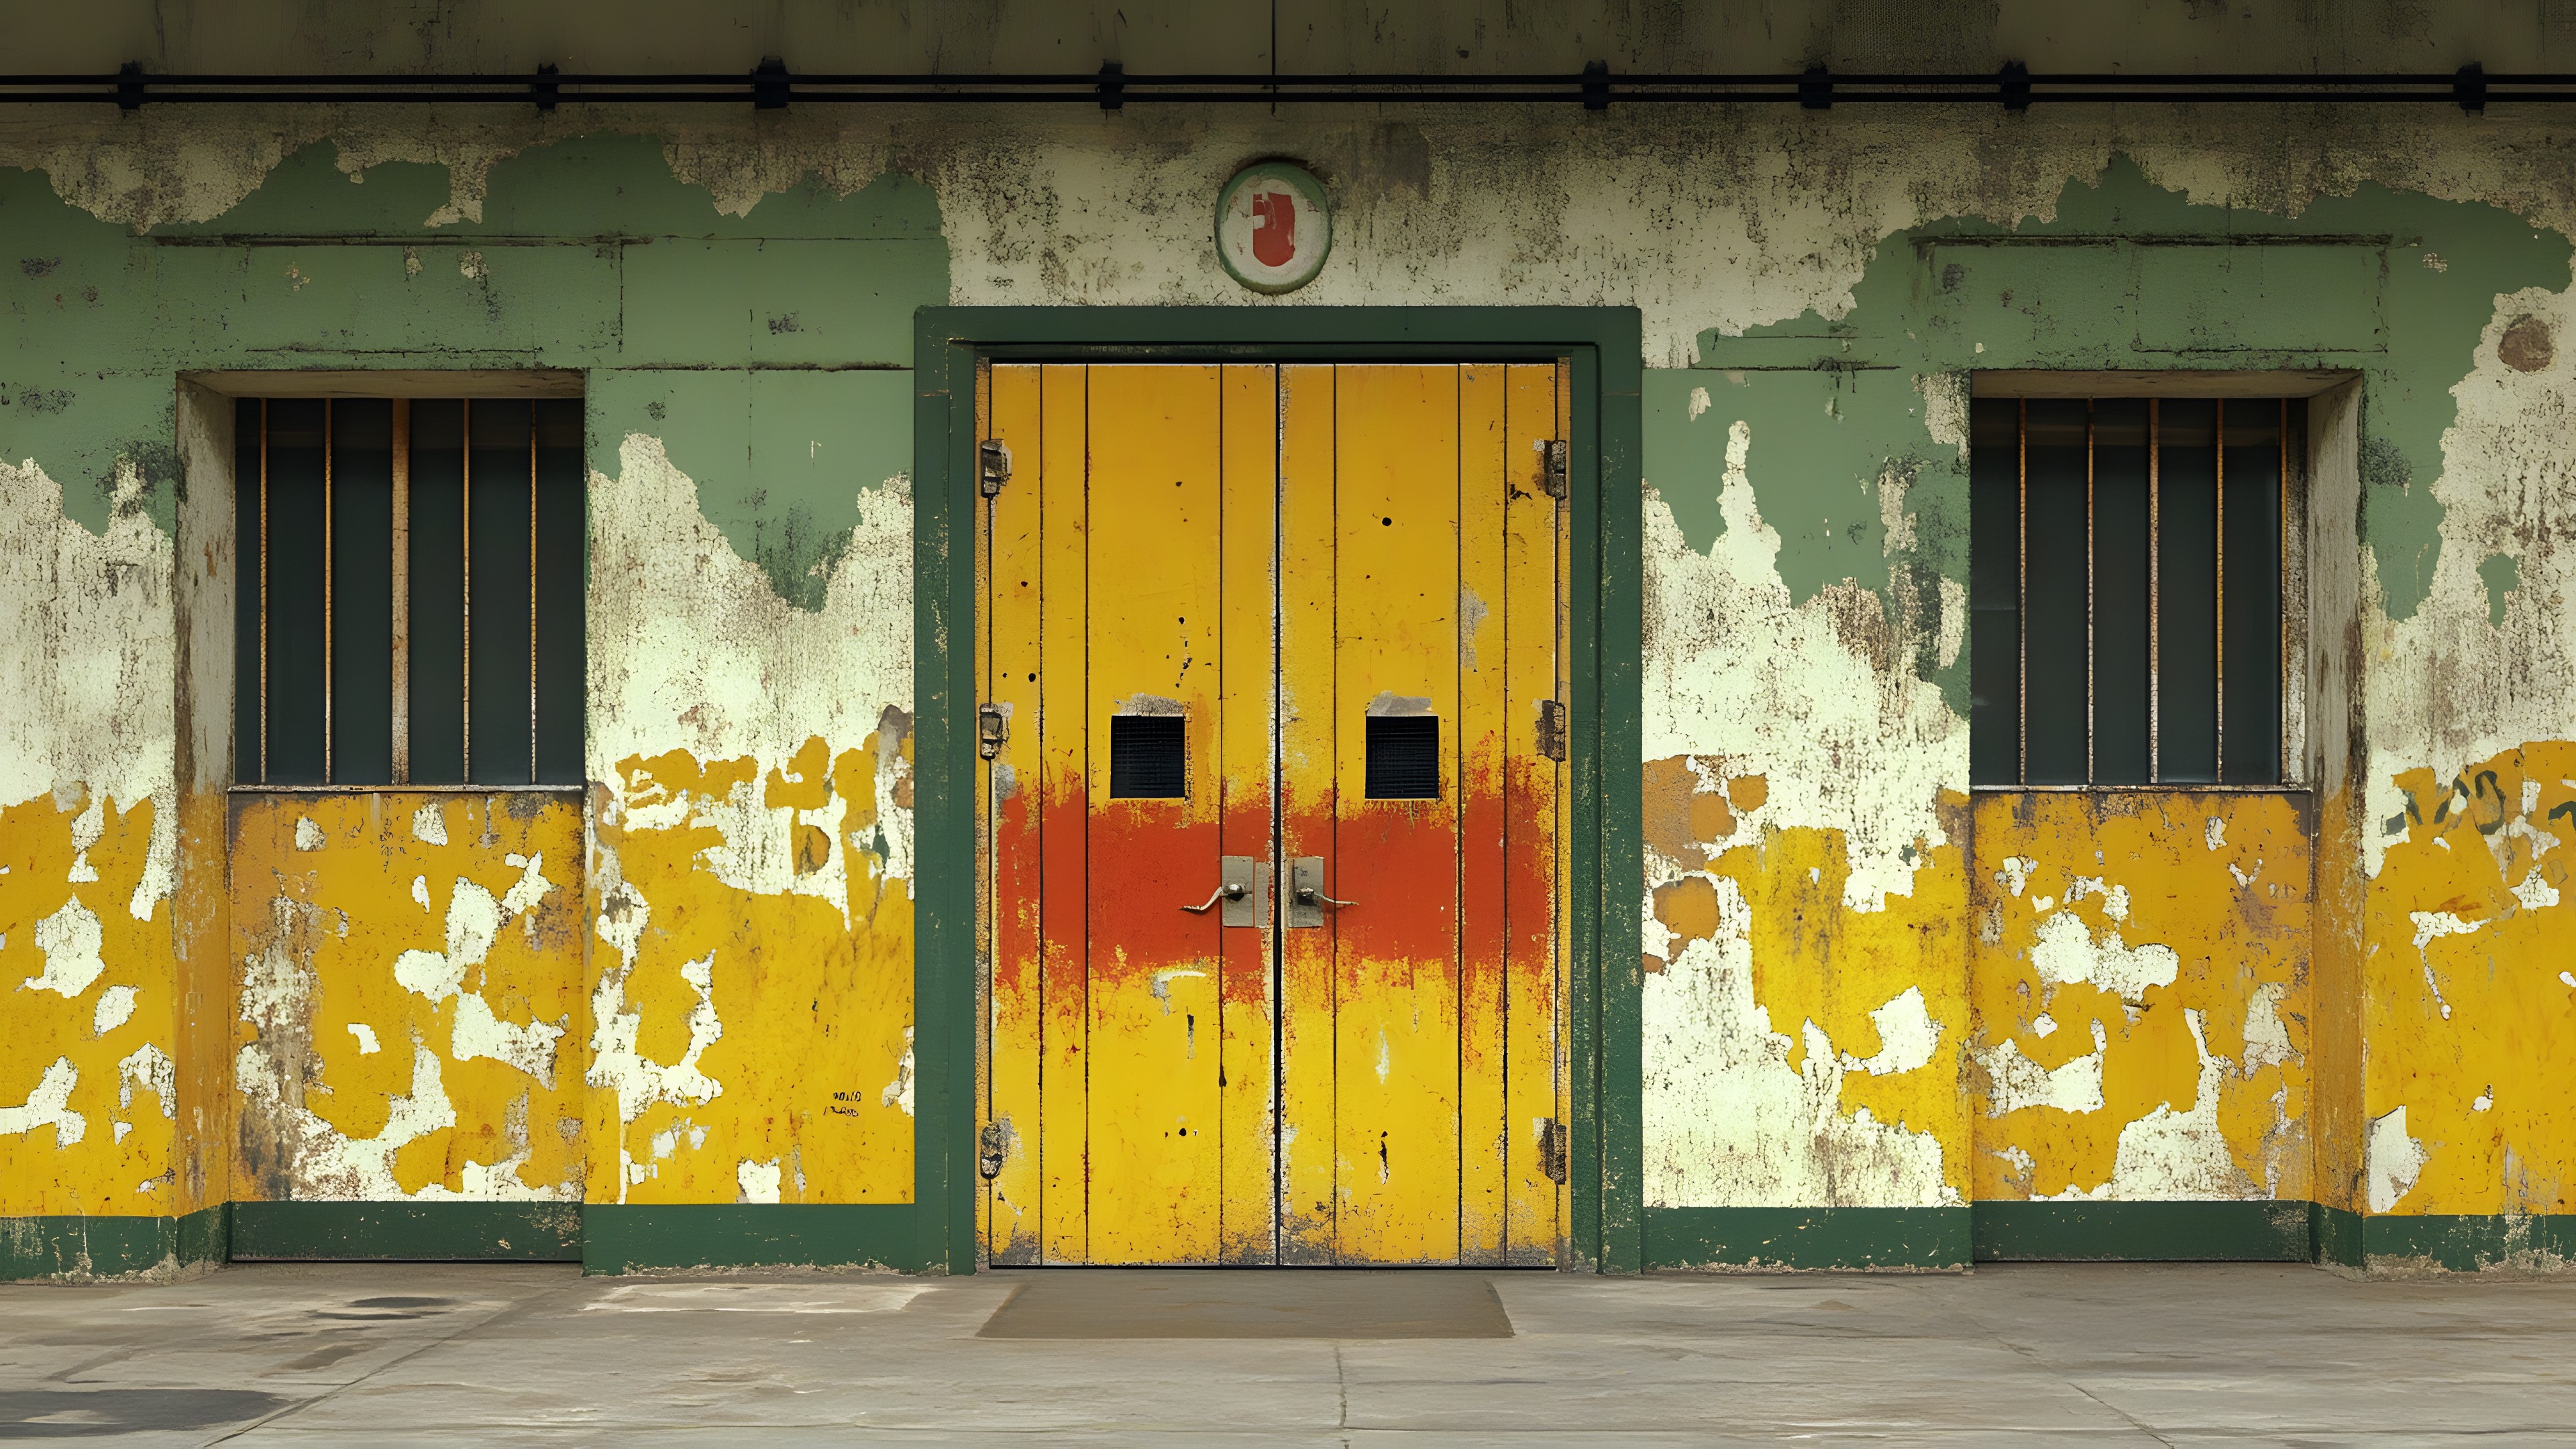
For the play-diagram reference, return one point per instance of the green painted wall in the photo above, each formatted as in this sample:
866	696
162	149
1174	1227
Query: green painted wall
789	325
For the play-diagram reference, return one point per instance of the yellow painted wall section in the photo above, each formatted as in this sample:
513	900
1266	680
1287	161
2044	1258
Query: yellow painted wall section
753	1046
1873	1001
2141	988
203	975
2470	1091
410	1004
88	1013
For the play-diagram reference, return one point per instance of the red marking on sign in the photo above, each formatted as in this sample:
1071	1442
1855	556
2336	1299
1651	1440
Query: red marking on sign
1274	228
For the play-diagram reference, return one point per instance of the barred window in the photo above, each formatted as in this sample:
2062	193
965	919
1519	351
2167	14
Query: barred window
410	607
2126	590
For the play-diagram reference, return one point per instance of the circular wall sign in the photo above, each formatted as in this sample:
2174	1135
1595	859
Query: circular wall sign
1272	229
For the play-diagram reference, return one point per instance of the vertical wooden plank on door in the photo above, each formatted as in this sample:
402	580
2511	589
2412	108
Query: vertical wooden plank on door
1532	841
1396	946
1061	728
1246	1133
1013	591
1155	512
1482	715
1308	710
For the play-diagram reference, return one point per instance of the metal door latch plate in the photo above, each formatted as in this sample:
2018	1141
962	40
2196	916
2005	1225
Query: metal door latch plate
1553	1144
988	1151
1250	906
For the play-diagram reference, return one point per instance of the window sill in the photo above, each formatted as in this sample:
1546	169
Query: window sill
404	789
2170	787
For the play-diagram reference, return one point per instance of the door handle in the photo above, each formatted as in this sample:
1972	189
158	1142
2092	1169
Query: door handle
1230	891
1306	898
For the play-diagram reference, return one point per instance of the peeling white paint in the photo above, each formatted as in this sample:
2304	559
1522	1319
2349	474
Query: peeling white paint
692	649
758	1181
89	714
148	1069
49	1105
2018	1082
69	939
1728	1120
2394	1161
366	1035
2065	952
1907	1035
2171	1156
115	1008
898	1093
1734	670
2445	687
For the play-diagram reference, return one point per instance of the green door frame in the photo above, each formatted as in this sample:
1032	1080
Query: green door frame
1604	979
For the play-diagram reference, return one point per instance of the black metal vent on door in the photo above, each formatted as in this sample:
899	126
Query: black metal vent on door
1403	757
1148	757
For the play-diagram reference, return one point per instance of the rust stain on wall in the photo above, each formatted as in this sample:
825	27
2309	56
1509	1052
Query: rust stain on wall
2471	969
410	1004
2140	979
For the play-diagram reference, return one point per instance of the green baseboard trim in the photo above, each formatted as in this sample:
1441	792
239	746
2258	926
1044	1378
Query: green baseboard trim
2458	1243
417	1232
69	1247
1788	1237
635	1238
2335	1234
2142	1232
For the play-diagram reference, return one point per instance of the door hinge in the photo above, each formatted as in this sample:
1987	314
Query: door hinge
1554	1141
1559	473
992	466
992	726
1551	730
988	1151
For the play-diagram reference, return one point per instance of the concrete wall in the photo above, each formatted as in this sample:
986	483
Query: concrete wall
1847	960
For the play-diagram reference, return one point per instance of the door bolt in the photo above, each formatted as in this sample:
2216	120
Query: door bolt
988	1151
992	466
1553	1143
1559	474
992	726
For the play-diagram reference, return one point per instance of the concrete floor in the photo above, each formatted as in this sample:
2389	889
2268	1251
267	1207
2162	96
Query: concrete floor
470	1355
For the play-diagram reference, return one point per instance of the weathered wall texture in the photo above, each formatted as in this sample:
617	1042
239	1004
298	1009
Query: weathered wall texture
751	877
2141	995
410	1005
90	990
1834	999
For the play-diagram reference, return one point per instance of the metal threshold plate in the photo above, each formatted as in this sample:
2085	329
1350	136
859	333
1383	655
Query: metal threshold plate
1260	1303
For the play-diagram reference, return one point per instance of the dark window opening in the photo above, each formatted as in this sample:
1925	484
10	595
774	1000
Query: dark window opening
1403	757
411	610
1148	757
2127	614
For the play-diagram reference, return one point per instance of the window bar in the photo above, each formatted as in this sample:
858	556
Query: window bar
532	593
2155	591
402	592
326	591
2218	546
2281	539
466	489
263	591
2021	631
2091	772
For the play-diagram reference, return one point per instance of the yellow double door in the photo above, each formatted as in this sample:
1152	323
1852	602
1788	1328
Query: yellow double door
1272	672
